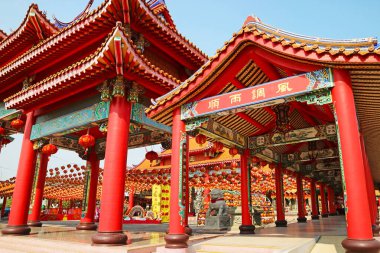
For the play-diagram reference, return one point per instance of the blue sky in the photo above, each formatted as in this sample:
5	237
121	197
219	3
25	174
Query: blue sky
208	24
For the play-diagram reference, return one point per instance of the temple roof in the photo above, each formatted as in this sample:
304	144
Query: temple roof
92	70
279	54
34	28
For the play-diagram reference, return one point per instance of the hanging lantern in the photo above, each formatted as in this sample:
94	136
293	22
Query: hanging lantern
49	149
233	151
234	164
255	160
2	130
151	156
217	146
263	163
200	139
86	141
17	123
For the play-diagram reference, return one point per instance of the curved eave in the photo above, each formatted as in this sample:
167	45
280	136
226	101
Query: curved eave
3	35
167	34
60	43
95	67
266	45
35	27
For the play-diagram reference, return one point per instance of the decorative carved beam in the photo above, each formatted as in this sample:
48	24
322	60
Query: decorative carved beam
118	56
320	132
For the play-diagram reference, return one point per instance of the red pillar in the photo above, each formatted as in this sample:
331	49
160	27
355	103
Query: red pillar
331	199
246	226
110	229
18	217
370	190
359	231
34	217
280	222
60	207
131	202
314	198
176	238
325	213
88	221
3	206
300	199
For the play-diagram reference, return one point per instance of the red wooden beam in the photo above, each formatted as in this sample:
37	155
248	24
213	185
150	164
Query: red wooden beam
294	148
327	109
267	128
304	114
238	84
250	120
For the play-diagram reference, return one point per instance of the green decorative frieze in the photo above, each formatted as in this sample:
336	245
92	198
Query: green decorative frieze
72	121
138	115
320	97
8	113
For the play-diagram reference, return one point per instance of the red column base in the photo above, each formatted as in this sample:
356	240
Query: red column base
325	215
35	223
16	230
315	217
86	226
281	223
301	219
247	229
109	238
176	241
360	246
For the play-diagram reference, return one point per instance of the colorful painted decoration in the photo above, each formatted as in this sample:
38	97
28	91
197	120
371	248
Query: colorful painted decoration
86	141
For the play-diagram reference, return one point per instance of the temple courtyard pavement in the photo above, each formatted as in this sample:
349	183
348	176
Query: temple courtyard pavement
321	236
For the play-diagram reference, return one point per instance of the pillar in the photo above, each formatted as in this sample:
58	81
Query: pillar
60	207
88	209
324	213
18	218
300	199
188	230
34	217
280	222
131	202
331	200
110	231
177	238
359	230
3	206
246	226
314	199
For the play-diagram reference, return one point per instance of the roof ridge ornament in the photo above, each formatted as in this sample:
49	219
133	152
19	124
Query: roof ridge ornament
61	24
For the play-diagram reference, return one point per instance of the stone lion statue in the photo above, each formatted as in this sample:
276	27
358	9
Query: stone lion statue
217	205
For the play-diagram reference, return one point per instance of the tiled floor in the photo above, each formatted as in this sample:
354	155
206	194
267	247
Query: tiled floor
332	231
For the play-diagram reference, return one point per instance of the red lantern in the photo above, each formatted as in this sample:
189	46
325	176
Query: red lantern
217	146
200	139
86	141
49	149
151	155
255	160
2	130
234	164
263	163
233	151
17	123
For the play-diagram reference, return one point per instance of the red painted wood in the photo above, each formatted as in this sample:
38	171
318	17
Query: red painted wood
25	174
322	190
245	195
358	211
279	190
112	198
250	120
39	192
91	204
300	197
313	193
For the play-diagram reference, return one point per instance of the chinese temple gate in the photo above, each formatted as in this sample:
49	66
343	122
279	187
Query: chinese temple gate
84	86
298	102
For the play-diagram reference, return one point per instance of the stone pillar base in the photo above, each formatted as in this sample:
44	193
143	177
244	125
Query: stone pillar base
247	229
87	226
301	219
16	230
375	230
109	238
357	246
281	223
34	223
325	215
315	217
188	230
176	241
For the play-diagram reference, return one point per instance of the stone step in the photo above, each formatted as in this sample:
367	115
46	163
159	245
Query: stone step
250	244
